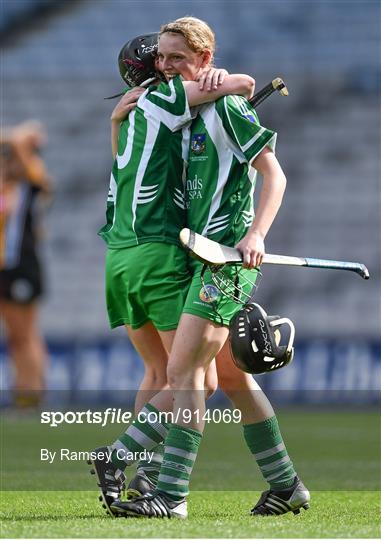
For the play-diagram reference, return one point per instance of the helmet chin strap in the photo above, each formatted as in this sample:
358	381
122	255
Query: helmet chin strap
285	320
144	84
147	82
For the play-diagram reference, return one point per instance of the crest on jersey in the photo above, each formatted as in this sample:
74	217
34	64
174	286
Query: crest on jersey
198	143
251	118
209	293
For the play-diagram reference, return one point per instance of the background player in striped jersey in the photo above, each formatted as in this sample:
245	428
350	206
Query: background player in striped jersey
147	277
24	183
226	140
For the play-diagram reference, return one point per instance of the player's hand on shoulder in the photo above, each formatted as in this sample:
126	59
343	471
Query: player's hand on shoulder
126	104
252	247
211	79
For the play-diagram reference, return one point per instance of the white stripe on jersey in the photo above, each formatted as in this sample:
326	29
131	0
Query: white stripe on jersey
185	132
238	102
149	188
215	224
253	139
179	198
247	217
112	190
112	195
15	227
147	193
172	96
271	143
147	200
124	159
169	119
216	130
214	231
219	218
152	131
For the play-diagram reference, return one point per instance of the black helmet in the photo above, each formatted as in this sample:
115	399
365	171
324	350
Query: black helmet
255	340
137	60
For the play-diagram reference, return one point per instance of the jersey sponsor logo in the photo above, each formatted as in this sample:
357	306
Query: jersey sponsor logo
194	188
198	143
209	294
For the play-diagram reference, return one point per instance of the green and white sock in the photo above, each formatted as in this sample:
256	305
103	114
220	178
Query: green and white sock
266	444
143	434
181	447
152	468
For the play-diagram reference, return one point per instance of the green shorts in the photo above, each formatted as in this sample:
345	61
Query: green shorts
209	303
145	283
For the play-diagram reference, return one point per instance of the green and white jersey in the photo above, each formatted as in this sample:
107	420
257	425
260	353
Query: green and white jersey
225	139
146	194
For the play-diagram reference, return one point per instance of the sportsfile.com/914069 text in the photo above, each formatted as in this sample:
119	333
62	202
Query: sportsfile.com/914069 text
114	415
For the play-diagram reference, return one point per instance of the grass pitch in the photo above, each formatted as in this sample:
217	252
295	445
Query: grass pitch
336	453
212	515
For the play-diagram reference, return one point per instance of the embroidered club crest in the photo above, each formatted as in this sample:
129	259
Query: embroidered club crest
198	143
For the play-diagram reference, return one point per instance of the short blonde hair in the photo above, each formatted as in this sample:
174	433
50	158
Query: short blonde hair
197	33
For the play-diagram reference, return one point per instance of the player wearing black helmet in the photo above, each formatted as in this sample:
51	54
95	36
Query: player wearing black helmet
147	275
181	57
226	138
137	60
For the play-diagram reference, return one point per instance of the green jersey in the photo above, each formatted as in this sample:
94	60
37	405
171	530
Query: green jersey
146	195
226	137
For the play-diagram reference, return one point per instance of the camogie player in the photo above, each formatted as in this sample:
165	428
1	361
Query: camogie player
147	276
227	147
25	188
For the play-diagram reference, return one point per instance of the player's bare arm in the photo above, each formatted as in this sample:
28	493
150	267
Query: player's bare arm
274	184
27	140
239	84
121	111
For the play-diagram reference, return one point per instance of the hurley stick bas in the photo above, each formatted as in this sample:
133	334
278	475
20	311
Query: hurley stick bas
213	253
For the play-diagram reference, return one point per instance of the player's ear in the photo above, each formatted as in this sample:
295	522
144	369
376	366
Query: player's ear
206	58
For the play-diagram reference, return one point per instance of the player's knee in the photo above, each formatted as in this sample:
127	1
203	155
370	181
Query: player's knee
174	376
17	340
157	375
180	377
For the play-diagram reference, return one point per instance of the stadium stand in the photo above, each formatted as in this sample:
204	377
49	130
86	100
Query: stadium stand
328	143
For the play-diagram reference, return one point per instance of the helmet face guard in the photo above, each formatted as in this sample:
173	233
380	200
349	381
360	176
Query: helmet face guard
137	60
232	282
260	343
